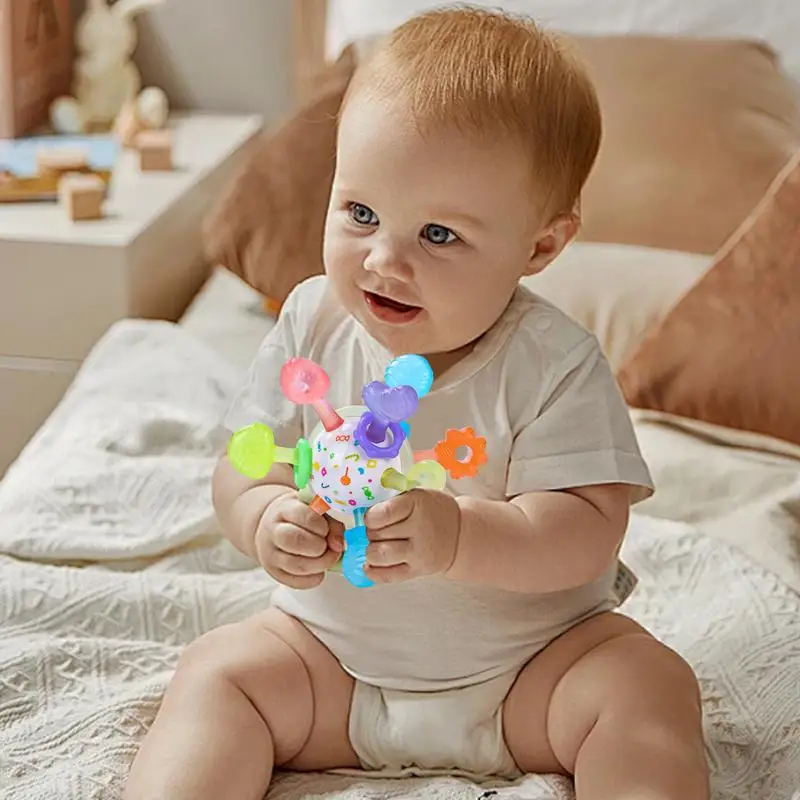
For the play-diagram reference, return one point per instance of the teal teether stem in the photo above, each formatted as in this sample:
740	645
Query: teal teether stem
355	551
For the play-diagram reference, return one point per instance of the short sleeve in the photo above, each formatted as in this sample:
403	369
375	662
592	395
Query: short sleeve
260	398
578	431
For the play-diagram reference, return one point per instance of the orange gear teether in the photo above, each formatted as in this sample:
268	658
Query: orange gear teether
447	448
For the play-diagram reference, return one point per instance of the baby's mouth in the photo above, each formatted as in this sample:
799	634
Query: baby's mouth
388	310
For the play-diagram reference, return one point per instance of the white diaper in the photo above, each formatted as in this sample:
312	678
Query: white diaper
456	731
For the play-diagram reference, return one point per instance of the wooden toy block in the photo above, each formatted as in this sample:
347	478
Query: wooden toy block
155	150
82	196
59	161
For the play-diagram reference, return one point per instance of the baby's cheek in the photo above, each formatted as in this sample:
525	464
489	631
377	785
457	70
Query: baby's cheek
466	310
340	252
489	297
330	257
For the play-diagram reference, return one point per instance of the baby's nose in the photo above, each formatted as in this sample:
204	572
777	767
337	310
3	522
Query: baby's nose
387	262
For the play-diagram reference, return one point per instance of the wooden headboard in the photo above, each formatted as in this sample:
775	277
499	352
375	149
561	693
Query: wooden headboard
308	45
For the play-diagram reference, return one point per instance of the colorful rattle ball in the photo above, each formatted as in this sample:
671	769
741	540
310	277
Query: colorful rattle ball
358	455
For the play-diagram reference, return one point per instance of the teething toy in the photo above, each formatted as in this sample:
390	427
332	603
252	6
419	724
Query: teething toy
358	456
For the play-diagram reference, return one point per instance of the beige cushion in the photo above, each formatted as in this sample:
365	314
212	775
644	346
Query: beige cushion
617	291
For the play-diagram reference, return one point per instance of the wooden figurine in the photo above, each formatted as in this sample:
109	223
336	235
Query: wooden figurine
155	150
128	126
82	196
147	112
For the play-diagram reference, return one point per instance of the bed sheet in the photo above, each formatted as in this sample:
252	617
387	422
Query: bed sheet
111	562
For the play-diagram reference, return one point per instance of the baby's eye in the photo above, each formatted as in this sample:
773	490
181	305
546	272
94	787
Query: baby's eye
438	234
361	214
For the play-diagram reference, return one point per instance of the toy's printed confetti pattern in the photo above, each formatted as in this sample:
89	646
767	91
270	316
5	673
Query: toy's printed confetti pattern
342	475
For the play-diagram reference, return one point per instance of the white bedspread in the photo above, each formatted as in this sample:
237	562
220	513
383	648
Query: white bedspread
110	562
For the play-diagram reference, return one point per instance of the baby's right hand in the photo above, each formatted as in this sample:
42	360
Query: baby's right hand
295	544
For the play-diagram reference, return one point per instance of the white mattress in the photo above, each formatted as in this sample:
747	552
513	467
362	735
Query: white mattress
110	563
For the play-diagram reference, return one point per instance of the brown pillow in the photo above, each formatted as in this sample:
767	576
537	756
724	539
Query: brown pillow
695	130
728	352
267	226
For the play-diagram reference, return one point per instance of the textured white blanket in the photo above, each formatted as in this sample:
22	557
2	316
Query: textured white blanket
110	563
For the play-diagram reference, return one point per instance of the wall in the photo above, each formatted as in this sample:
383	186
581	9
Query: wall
218	55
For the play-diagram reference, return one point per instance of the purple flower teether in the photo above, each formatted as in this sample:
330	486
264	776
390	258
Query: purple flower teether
378	430
391	403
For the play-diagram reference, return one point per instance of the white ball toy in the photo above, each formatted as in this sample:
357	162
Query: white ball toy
343	475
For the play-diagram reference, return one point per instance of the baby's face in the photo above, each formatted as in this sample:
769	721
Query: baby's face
426	238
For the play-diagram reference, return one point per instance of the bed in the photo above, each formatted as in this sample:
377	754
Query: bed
111	560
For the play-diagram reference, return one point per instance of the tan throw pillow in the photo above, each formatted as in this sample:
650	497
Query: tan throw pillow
695	130
617	291
267	225
728	352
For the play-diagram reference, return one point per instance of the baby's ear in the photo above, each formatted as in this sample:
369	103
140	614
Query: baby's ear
551	240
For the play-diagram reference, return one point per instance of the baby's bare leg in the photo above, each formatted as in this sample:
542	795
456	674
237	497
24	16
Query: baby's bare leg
245	697
610	705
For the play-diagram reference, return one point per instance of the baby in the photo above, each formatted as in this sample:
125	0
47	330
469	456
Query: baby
490	644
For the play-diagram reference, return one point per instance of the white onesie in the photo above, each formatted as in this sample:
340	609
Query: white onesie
539	389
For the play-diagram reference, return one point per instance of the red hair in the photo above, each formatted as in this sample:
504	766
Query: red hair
489	73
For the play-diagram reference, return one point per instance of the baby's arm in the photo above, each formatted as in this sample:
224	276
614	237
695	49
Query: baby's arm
574	471
247	509
541	541
240	503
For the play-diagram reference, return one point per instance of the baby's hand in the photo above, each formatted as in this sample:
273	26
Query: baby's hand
411	535
295	544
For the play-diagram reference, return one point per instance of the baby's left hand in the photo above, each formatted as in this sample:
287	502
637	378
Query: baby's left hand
412	535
